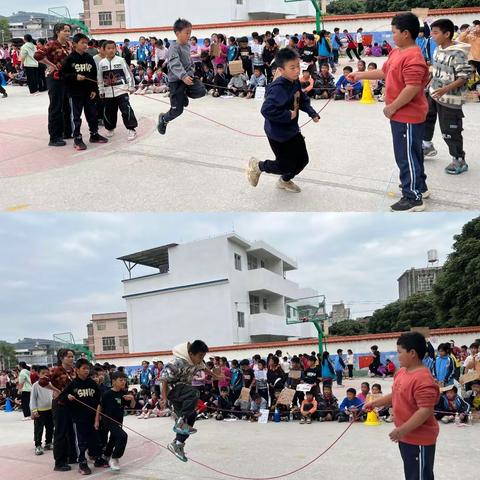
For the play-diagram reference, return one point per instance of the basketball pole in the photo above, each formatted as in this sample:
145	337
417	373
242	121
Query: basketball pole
320	336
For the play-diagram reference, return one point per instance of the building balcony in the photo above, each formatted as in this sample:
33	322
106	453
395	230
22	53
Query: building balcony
264	282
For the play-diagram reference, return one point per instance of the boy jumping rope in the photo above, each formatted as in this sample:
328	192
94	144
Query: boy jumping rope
413	398
176	387
181	71
406	77
451	72
284	99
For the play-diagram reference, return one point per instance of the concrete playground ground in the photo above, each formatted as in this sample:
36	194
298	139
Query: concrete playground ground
200	166
250	450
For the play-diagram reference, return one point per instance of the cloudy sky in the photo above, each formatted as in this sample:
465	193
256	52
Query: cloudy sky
56	270
40	6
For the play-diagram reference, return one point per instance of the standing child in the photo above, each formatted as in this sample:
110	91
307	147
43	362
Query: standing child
181	71
284	99
176	387
414	396
406	76
112	405
350	363
83	396
443	367
80	74
115	81
339	367
41	408
446	97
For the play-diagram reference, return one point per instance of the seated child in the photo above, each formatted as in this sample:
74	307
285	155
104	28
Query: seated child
283	409
238	85
377	391
241	408
451	404
308	410
152	409
368	51
346	90
207	77
351	406
202	410
307	82
220	81
324	86
377	50
365	390
258	79
224	404
473	396
377	87
390	368
258	403
327	405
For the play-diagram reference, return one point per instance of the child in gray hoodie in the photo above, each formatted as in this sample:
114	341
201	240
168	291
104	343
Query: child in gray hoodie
181	71
176	387
446	97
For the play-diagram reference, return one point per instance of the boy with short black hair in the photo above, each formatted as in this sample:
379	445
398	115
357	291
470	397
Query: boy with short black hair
80	73
351	406
181	75
450	405
83	396
41	407
115	82
406	76
414	396
283	101
258	79
176	387
450	75
112	405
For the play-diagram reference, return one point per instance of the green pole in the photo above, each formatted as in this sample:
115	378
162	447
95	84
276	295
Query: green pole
320	336
318	9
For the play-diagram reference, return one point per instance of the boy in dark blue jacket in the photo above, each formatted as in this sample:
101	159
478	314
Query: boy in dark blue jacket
284	99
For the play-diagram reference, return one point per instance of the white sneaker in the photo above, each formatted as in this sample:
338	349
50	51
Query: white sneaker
132	135
288	186
114	464
110	133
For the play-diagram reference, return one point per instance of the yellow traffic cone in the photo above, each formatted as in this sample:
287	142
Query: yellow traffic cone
372	419
367	97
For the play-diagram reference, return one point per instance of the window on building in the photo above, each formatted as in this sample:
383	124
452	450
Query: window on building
122	324
265	304
262	264
254	304
120	16
239	2
108	343
241	319
238	261
119	2
98	2
289	311
101	325
123	341
105	18
252	262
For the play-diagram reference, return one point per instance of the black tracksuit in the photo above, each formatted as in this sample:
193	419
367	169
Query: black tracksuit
112	404
88	393
80	91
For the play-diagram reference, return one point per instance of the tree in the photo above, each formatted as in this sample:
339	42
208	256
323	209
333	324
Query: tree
347	327
8	357
383	319
340	7
457	290
4	30
417	311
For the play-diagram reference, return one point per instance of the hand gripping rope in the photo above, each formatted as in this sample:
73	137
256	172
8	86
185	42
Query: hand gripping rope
149	97
213	469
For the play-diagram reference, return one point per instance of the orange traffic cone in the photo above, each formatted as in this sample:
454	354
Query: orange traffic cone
367	97
372	419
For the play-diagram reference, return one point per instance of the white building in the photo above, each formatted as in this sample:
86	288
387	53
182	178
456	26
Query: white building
153	13
224	290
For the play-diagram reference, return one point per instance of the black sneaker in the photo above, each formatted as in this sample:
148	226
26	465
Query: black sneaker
408	205
97	138
100	462
162	124
67	137
5	95
57	143
186	102
78	144
84	469
62	468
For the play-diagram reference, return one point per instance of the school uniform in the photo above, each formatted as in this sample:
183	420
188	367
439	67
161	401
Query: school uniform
283	132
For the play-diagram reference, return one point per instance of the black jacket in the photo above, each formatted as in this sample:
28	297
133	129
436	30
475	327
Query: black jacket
76	64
